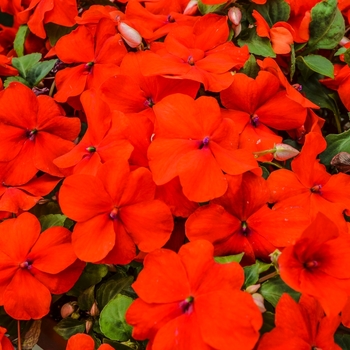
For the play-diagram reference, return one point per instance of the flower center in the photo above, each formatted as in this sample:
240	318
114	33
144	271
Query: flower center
244	228
187	305
190	60
91	149
31	134
88	66
149	102
254	120
316	189
204	142
114	214
311	264
26	265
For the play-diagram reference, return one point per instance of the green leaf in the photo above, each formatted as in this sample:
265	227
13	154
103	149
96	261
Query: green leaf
256	44
40	71
292	62
229	258
273	289
318	64
109	290
204	9
265	172
20	38
250	68
327	26
51	220
274	11
269	322
119	346
251	275
112	319
343	340
91	275
347	57
86	299
340	51
24	63
55	32
336	143
262	267
15	79
69	326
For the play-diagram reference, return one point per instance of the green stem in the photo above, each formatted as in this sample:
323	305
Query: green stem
274	164
267	277
52	88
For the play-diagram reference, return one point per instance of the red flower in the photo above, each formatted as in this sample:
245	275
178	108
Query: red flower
34	132
82	341
34	265
114	211
188	301
194	141
301	326
315	264
5	343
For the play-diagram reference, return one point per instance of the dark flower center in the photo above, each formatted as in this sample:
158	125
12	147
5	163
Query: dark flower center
204	142
190	60
310	264
187	305
91	149
31	134
316	189
244	228
114	214
149	102
88	66
26	265
254	120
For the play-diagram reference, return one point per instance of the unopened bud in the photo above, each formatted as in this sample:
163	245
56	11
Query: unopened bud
274	256
131	36
235	15
88	325
237	30
191	8
284	152
67	309
253	288
94	311
259	301
344	41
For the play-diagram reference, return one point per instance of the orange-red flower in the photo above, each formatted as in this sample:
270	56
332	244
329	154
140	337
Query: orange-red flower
5	343
194	141
114	211
301	326
34	265
82	341
33	132
316	264
188	301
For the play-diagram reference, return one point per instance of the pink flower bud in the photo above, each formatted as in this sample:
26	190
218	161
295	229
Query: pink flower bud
253	288
94	311
259	301
131	36
191	8
344	41
235	15
237	30
284	152
67	309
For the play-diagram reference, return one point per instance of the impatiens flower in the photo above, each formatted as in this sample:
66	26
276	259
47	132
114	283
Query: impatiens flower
194	141
316	264
34	265
241	221
115	210
33	132
188	301
301	326
5	343
82	341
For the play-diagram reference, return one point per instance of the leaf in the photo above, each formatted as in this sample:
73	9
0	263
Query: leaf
273	289
119	346
204	9
250	67
318	64
343	340
20	38
262	267
15	79
292	62
51	220
32	335
340	51
274	11
256	44
269	322
112	319
109	290
265	172
24	63
251	274
39	71
327	26
69	326
91	275
347	57
336	143
87	298
55	32
229	258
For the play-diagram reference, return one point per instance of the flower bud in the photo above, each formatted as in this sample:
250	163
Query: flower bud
237	30
259	301
67	309
131	36
274	257
191	8
344	41
88	325
94	311
235	15
284	152
253	288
